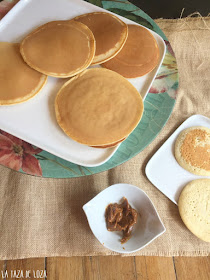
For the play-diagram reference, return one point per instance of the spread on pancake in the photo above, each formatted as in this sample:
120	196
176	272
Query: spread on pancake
192	150
194	208
59	48
139	56
18	81
109	31
98	107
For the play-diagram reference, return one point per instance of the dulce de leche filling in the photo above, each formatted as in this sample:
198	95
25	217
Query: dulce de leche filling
195	149
121	217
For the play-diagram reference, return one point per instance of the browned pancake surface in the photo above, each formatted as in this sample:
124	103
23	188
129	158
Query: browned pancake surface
98	107
109	31
59	48
139	55
18	81
192	150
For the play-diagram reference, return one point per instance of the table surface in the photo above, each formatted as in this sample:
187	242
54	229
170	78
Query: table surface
111	268
117	267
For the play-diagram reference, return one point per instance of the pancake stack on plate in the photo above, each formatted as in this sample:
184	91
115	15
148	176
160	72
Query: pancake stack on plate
97	107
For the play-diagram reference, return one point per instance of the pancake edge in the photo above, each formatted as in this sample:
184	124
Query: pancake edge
58	117
184	208
99	59
62	75
41	84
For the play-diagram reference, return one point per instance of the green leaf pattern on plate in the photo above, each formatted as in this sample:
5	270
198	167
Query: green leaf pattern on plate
96	2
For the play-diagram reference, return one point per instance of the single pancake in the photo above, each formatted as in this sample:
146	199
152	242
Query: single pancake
139	56
194	208
59	48
192	150
98	107
109	31
18	81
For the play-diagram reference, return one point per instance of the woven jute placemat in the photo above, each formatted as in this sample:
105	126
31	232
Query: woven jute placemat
44	217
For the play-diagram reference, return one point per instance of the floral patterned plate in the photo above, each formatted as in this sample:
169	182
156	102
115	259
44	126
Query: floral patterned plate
159	103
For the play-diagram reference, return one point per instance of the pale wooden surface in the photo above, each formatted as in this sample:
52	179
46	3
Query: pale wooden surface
113	268
196	268
25	265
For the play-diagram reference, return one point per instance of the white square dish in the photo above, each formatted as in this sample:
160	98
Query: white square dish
163	170
147	228
34	121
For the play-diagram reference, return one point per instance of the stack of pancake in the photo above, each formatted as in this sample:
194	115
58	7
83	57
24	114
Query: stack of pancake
130	50
97	107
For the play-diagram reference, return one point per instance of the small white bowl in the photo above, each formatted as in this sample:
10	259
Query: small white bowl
148	227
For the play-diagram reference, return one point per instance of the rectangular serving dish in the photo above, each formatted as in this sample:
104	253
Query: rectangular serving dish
34	121
163	170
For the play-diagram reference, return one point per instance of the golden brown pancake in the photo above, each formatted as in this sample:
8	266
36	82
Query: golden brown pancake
98	107
109	31
192	150
194	208
18	81
139	56
59	48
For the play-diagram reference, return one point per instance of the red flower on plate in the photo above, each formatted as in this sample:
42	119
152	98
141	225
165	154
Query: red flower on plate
16	154
6	6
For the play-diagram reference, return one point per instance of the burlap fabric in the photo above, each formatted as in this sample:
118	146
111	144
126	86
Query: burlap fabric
44	217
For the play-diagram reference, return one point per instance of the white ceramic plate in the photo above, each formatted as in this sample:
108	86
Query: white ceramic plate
164	171
148	227
34	121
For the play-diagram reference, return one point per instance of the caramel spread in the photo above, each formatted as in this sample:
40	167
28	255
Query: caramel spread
196	149
121	217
